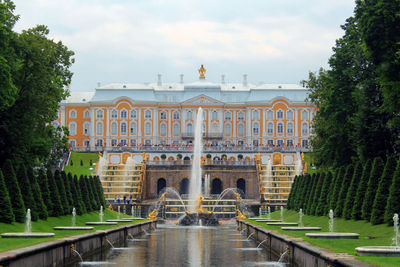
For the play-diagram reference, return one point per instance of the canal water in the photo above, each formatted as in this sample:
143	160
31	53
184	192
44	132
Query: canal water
171	245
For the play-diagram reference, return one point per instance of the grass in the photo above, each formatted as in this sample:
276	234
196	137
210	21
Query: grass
370	235
309	158
76	168
47	226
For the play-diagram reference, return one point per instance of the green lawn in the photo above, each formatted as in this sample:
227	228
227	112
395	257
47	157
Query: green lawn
370	235
76	168
308	157
47	226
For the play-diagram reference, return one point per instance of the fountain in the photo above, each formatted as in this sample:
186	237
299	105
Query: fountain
73	223
298	167
118	216
384	251
331	234
301	225
100	222
28	230
281	222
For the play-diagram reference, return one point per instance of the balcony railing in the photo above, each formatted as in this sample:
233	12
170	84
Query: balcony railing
210	162
190	135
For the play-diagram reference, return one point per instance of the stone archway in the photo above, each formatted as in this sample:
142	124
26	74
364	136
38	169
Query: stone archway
241	185
184	186
216	186
161	184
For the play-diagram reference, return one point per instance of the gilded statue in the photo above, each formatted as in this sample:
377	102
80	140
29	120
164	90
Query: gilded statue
202	72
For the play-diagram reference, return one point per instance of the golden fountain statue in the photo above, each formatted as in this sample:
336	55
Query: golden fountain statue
202	72
240	215
198	204
152	215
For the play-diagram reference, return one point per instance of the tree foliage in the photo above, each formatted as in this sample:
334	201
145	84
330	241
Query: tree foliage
15	193
6	211
375	174
352	191
361	191
393	201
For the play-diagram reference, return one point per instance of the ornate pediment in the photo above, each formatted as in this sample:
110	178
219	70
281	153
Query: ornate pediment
201	100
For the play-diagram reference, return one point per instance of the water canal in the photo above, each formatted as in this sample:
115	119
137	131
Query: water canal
171	245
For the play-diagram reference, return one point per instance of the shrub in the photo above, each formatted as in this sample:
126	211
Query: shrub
292	193
380	201
301	196
27	194
163	156
224	156
76	194
393	201
81	162
310	194
58	208
240	156
100	191
317	193
179	156
336	188
361	190
352	191
322	205
208	156
14	192
6	212
41	208
61	191
343	190
44	190
85	193
67	187
71	163
90	163
376	172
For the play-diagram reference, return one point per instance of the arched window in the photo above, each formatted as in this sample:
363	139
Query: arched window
203	128
214	115
189	115
133	114
176	115
175	129
280	128
270	115
256	128
304	115
72	128
304	128
241	186
228	116
163	129
147	128
114	114
99	128
240	116
204	115
161	184
86	128
270	128
163	115
86	114
256	115
72	143
216	186
72	114
290	128
133	128
189	128
124	114
184	186
289	115
147	114
279	114
100	114
123	128
228	129
240	129
215	127
114	128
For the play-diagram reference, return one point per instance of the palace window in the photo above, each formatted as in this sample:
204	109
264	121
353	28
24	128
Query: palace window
123	142
100	114
175	129
203	128
304	143
114	142
289	143
147	128
279	114
240	116
204	115
189	128
290	128
304	128
279	142
256	115
228	129
114	114
270	115
256	128
133	114
99	142
163	115
270	142
176	115
114	128
86	128
123	128
124	114
99	128
270	128
86	114
289	115
215	127
214	115
147	114
133	128
280	128
163	129
240	129
72	114
72	143
189	115
72	128
228	116
304	115
133	142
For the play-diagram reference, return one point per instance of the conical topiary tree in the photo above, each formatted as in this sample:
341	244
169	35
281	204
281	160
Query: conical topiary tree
299	187
322	205
76	201
61	191
41	208
100	191
292	193
352	191
26	191
317	193
85	193
393	201
67	187
303	196
378	208
361	190
6	212
93	185
57	207
44	190
375	174
310	197
14	191
80	206
91	194
336	188
343	190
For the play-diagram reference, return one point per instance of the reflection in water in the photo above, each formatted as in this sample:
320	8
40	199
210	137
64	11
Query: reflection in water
187	246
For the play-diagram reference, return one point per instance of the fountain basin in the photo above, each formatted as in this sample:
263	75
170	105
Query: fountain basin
119	220
198	219
301	228
73	228
333	235
282	223
379	251
27	235
101	223
267	220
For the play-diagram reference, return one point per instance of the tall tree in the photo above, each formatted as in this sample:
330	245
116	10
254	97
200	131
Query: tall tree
336	189
352	191
27	194
322	206
292	193
361	191
310	196
375	174
393	201
57	207
67	190
77	198
317	193
45	191
85	193
100	191
41	208
15	193
61	191
343	190
6	211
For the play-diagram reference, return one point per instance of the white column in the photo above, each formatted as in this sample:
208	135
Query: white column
248	125
155	126
296	128
92	133
234	126
139	126
108	139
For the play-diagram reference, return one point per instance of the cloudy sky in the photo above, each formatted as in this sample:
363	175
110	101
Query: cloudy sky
273	41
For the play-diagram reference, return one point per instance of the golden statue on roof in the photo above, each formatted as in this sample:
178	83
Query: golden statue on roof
202	72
